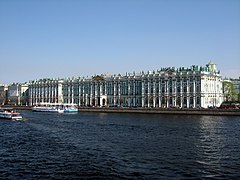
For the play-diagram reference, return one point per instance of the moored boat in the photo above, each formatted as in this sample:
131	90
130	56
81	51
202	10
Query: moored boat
56	107
9	113
47	107
69	108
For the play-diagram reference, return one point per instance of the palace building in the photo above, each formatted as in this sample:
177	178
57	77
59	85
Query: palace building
193	87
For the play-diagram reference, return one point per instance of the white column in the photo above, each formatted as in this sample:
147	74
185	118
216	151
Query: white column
154	94
55	92
181	92
129	92
79	94
113	89
95	95
119	93
69	86
160	100
202	102
148	87
114	92
143	94
160	93
134	93
166	93
194	93
90	95
175	92
72	92
188	102
100	95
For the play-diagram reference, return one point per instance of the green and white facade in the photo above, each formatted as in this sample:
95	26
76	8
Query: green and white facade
192	87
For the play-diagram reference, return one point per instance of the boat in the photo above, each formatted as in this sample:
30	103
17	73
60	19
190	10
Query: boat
9	113
56	107
69	108
48	107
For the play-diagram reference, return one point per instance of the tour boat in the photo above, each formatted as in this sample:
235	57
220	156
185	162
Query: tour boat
9	113
69	108
55	107
48	107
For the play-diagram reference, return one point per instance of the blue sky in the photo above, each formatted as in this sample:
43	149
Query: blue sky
65	38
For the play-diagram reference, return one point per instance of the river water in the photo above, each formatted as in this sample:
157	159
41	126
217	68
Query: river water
119	146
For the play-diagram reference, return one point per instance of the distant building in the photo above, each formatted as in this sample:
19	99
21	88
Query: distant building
3	94
231	89
192	87
18	94
236	89
46	90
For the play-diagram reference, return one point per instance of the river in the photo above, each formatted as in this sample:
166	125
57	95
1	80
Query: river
119	146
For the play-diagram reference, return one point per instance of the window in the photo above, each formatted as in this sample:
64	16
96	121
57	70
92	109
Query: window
185	89
198	100
163	89
191	88
178	89
191	100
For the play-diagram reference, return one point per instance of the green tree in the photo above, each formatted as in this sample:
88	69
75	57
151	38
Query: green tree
229	92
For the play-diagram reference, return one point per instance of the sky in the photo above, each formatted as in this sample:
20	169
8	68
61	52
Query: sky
66	38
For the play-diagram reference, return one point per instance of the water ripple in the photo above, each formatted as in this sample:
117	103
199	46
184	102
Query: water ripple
119	146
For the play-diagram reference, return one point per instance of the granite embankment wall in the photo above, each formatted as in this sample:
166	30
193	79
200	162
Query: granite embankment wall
216	112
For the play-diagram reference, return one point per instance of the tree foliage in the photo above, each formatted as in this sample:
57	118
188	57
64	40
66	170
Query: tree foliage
229	92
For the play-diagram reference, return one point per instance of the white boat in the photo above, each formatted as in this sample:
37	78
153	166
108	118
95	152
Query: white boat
69	108
47	107
56	107
9	113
